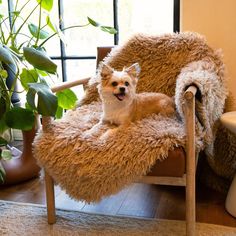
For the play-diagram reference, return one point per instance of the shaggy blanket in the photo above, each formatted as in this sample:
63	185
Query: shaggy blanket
90	162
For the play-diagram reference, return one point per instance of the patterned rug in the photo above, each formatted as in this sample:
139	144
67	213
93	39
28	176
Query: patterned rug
28	219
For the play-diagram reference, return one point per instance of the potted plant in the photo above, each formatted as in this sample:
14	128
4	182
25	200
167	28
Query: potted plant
24	62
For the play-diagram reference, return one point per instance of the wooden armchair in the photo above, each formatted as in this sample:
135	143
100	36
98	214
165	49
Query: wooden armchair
181	175
180	65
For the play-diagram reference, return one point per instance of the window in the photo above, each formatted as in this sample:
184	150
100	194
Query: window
77	58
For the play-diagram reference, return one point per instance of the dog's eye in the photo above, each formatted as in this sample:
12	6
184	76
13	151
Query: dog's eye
126	83
114	84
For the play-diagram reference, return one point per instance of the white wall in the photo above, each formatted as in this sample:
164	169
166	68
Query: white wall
216	19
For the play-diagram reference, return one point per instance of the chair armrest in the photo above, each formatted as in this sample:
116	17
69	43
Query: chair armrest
66	85
46	120
190	92
189	112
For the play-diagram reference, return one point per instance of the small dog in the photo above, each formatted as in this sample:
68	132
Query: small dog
121	105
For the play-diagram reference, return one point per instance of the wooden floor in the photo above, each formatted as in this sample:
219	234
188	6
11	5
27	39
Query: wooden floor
140	200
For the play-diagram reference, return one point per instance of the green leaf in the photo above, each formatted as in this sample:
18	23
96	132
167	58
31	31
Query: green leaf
16	49
3	142
66	99
104	28
59	112
1	178
34	29
41	72
2	173
3	125
28	76
20	118
30	97
50	24
39	60
16	13
27	106
93	22
5	100
46	4
5	56
108	29
3	74
6	155
3	106
56	29
47	101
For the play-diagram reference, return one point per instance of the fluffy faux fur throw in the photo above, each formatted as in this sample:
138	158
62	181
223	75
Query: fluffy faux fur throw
90	165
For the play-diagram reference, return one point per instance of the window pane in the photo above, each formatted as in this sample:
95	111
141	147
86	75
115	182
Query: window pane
84	41
59	71
4	9
5	25
53	44
79	69
52	79
31	9
53	47
149	16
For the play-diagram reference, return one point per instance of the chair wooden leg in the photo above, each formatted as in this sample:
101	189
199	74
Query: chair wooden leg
190	206
190	166
50	197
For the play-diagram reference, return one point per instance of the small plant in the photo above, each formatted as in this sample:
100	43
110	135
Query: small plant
5	155
27	60
23	57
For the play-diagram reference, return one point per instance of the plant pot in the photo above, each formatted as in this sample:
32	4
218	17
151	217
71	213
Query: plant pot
24	167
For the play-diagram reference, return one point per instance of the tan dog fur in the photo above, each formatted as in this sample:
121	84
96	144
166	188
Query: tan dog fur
121	104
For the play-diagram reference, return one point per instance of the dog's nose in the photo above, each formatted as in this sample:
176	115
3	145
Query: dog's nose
122	89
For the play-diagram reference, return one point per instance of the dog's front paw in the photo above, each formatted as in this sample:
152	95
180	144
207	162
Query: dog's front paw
95	131
109	134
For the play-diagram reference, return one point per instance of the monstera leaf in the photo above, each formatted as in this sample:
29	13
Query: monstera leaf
104	28
66	99
20	118
5	56
46	4
28	76
34	30
45	102
39	59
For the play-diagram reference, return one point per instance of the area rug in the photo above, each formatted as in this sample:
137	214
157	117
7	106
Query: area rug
30	219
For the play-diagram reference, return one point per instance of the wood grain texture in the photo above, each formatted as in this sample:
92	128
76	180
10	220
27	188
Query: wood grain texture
141	201
50	197
190	160
110	204
163	202
69	84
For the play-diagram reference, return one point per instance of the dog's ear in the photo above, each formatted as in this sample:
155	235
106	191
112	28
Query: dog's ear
133	70
106	71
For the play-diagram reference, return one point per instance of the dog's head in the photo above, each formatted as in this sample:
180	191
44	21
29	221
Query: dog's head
118	86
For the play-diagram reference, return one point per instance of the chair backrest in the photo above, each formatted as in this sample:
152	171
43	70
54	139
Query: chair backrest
102	52
161	59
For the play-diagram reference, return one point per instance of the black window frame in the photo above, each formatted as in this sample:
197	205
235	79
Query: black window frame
63	57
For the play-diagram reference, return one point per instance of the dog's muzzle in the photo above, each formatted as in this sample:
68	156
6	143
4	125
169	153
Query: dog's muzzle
120	96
